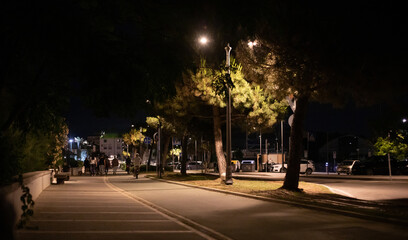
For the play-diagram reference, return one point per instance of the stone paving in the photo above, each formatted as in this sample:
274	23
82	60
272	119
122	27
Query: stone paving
87	208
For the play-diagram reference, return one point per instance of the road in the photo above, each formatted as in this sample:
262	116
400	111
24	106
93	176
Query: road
121	207
360	187
365	189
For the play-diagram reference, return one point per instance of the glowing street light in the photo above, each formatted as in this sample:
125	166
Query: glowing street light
203	40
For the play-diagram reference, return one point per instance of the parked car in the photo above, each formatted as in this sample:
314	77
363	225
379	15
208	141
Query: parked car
378	165
306	166
403	167
194	165
350	167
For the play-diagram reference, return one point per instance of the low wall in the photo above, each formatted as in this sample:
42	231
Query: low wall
36	181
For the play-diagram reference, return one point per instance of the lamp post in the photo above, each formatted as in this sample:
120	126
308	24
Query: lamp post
389	157
228	170
228	173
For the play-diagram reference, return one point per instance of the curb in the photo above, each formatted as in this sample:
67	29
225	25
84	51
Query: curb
397	221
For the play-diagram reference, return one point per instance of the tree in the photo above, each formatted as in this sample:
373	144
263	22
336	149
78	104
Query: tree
249	101
305	50
395	145
134	140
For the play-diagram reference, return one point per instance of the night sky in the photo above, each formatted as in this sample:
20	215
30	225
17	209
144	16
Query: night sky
115	52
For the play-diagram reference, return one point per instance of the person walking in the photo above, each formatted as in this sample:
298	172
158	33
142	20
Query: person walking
136	165
101	165
115	164
87	166
94	161
128	164
107	165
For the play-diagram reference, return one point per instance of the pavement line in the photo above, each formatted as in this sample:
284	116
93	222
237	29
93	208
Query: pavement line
97	220
338	191
92	207
97	212
104	232
201	230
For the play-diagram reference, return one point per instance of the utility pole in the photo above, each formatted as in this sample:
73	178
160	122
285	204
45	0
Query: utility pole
282	140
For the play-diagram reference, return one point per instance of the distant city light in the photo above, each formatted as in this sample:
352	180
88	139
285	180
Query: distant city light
71	140
252	44
404	120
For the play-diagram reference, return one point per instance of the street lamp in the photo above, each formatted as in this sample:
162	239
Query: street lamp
228	171
203	40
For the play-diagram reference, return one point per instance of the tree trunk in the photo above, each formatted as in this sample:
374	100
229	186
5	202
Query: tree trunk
296	136
218	143
150	155
184	144
165	152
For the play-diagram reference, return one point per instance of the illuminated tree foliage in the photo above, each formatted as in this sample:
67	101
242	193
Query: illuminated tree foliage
251	104
396	146
134	140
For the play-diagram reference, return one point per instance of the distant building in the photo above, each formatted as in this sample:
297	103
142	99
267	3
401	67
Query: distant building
111	146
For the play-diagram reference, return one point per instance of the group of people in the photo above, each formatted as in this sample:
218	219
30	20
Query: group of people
100	165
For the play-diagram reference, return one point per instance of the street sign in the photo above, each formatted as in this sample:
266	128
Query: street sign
290	120
147	140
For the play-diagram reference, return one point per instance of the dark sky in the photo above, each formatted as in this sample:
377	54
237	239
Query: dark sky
82	122
320	118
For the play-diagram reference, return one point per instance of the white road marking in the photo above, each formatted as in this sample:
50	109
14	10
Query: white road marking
338	191
163	212
105	232
98	220
98	212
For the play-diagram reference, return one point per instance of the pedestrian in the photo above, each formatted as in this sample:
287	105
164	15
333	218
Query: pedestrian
101	165
128	164
87	166
93	164
115	164
136	165
107	165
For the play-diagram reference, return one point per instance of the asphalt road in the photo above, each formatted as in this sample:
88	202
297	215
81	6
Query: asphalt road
365	189
360	187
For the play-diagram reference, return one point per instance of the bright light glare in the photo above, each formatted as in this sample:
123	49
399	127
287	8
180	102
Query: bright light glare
252	44
71	140
203	40
404	120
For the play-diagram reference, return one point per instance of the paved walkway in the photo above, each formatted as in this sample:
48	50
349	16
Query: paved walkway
90	208
120	207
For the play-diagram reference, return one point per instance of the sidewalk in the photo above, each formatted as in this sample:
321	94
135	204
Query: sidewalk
87	208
